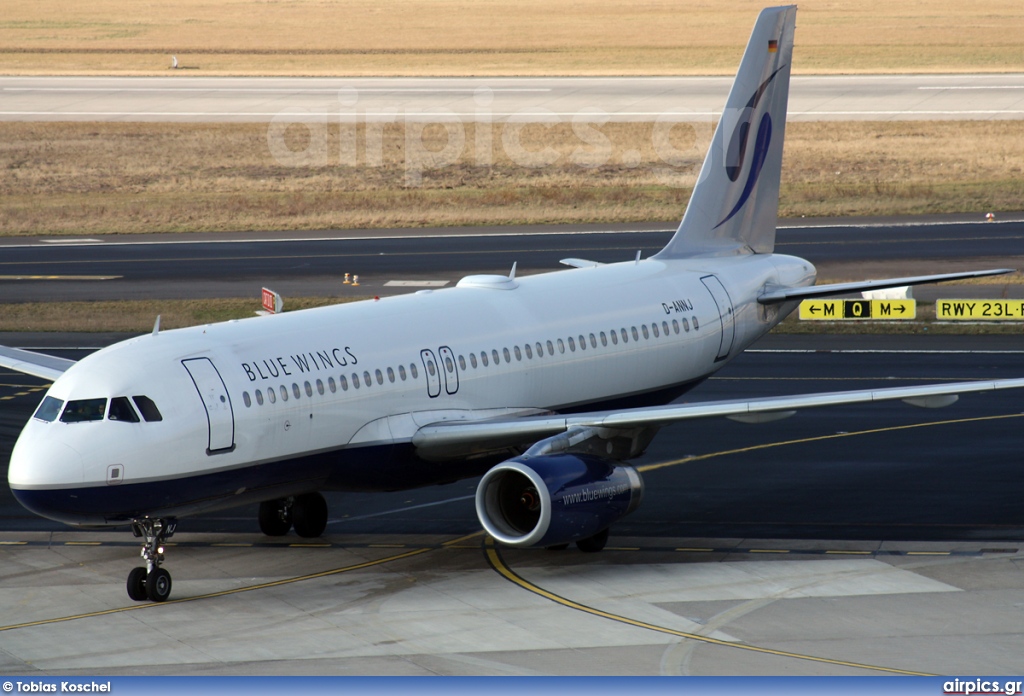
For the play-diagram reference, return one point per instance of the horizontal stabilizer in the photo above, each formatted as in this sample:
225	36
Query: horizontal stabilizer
580	263
806	293
35	364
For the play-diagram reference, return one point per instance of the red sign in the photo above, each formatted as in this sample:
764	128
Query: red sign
269	300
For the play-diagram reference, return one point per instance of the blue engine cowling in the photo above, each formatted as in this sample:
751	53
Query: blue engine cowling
555	499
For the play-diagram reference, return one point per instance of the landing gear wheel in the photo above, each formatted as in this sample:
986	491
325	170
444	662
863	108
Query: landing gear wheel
158	585
137	585
593	544
275	517
557	547
309	515
151	582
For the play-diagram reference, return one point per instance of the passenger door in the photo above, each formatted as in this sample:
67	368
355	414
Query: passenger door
220	416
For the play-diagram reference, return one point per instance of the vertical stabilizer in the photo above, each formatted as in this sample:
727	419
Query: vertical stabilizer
735	204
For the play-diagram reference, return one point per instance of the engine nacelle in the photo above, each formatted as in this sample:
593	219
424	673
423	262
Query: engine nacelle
555	499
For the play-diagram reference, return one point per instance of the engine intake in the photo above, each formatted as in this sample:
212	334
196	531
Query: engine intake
555	499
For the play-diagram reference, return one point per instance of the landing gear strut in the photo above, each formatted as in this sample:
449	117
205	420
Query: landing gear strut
307	513
152	582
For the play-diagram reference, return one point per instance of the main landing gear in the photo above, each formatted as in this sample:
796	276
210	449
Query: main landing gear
152	582
307	513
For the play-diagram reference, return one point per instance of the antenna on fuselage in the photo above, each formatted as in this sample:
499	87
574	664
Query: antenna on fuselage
156	325
638	255
512	274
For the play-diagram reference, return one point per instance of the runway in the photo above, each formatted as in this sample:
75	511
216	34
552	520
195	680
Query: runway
840	541
196	99
314	264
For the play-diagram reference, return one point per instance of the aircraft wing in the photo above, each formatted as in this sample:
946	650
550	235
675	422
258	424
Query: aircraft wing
35	364
506	432
787	294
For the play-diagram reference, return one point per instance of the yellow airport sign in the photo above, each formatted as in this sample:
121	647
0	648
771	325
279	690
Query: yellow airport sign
979	310
838	310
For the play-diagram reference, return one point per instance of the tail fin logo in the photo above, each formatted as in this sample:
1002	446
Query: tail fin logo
736	154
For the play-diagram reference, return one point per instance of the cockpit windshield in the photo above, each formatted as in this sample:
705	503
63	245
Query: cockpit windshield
48	410
84	410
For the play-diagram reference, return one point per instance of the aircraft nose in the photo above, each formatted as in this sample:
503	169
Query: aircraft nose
42	461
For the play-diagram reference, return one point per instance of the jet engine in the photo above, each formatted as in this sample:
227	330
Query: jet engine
555	499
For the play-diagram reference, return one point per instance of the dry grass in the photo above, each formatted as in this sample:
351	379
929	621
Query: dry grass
496	37
135	315
85	178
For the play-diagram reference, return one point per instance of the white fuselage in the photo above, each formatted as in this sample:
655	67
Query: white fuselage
331	397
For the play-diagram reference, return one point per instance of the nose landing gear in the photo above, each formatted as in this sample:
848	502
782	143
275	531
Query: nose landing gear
152	582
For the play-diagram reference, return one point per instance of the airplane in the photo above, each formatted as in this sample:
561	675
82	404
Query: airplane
546	385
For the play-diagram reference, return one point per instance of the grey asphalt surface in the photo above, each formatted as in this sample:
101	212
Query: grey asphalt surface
197	99
314	263
844	536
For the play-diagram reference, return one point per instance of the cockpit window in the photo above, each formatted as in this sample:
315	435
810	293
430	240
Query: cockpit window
148	409
121	410
84	410
49	409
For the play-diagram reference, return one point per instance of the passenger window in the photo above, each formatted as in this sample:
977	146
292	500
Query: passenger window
259	397
121	410
84	410
430	368
675	326
643	328
148	409
309	389
561	346
462	363
355	380
284	393
379	375
413	371
636	336
332	385
572	344
583	342
272	395
49	409
540	350
696	326
472	360
246	399
295	390
494	355
593	341
508	358
320	387
343	381
686	326
664	325
529	351
551	348
519	353
366	378
654	329
401	372
615	337
391	375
